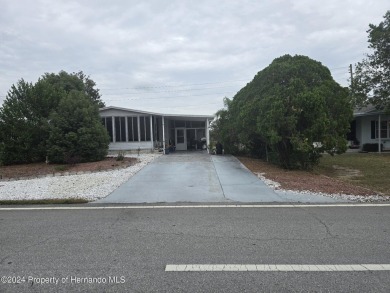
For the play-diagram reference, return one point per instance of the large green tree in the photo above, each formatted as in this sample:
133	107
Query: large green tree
292	111
76	132
371	82
25	114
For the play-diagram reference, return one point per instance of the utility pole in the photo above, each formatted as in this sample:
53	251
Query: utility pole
352	83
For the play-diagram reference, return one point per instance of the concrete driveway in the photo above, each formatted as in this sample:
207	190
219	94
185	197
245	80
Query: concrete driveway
199	177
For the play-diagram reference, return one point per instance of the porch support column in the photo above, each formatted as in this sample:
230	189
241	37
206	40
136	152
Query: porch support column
163	131
113	129
379	134
207	135
151	132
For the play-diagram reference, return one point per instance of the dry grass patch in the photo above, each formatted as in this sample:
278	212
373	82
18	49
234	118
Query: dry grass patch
371	170
297	180
37	169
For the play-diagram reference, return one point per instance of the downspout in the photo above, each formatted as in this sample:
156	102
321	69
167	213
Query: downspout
163	130
379	134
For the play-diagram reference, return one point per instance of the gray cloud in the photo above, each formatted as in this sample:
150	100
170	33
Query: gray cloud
177	56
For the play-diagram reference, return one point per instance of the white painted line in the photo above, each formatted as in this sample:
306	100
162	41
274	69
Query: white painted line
282	206
86	207
276	268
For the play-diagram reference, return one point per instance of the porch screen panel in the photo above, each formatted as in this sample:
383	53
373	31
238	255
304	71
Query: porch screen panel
144	122
132	128
135	128
107	122
120	130
147	132
142	127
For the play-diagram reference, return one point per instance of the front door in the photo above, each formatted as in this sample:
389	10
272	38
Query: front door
180	139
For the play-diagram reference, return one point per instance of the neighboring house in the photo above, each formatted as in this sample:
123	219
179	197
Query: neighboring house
131	129
371	126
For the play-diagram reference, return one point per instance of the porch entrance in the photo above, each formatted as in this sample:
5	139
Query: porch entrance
181	139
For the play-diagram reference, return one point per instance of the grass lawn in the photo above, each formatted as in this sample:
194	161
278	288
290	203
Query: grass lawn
370	170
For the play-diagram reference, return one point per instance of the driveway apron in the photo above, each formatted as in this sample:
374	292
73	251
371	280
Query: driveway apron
195	177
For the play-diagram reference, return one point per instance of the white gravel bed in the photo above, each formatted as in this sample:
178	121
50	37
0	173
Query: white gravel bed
358	198
90	186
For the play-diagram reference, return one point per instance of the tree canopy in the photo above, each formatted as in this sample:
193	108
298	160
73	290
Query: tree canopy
26	111
291	112
76	133
371	82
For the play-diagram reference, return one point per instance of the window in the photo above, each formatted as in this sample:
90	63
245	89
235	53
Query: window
384	129
132	128
147	126
107	122
198	124
200	133
179	123
144	123
120	129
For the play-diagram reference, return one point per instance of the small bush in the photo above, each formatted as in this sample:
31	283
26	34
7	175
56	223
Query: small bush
120	156
61	168
371	147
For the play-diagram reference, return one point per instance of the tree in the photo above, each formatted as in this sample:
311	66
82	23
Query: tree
294	109
371	82
25	113
23	122
76	132
75	81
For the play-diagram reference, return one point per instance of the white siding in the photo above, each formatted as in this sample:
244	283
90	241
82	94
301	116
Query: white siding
365	130
125	146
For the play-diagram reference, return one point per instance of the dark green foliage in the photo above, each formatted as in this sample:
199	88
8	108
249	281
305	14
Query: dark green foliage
288	106
25	114
371	82
75	82
23	123
76	133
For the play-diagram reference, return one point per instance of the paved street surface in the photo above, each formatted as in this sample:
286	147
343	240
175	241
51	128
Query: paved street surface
199	177
135	249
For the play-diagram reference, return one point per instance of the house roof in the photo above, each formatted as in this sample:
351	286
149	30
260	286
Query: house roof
156	114
367	110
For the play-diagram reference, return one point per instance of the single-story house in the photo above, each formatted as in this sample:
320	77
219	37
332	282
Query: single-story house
371	126
131	129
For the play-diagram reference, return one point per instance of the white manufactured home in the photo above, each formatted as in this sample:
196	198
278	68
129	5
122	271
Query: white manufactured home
371	126
131	129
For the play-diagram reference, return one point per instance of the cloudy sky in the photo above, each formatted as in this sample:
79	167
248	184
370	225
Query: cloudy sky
177	56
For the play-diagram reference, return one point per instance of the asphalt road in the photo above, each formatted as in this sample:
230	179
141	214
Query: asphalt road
127	250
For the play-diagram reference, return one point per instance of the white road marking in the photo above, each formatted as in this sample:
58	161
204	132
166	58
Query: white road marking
276	268
192	206
86	207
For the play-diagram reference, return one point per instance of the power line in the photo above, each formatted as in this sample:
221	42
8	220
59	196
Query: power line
175	91
182	85
156	98
344	67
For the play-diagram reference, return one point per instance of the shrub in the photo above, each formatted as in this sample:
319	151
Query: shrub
371	147
76	133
